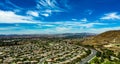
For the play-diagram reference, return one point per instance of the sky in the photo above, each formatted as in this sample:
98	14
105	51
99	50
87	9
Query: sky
58	16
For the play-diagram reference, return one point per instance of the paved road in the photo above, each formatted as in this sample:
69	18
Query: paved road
88	58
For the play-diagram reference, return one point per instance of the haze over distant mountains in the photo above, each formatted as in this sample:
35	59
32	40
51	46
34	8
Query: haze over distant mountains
66	35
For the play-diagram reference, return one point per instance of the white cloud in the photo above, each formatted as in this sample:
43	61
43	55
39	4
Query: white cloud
111	16
62	29
49	25
74	19
54	27
2	29
33	13
88	25
100	30
11	17
66	27
7	28
45	14
79	24
84	20
48	11
74	27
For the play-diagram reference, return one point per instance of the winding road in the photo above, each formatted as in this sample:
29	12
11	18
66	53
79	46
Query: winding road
88	58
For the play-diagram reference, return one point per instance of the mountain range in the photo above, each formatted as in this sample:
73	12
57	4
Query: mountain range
64	35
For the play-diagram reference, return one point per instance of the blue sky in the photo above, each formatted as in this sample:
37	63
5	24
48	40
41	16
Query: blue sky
58	16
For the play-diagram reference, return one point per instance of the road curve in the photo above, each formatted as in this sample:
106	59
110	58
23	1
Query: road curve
88	58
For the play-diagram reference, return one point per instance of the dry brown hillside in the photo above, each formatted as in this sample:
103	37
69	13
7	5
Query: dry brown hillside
104	38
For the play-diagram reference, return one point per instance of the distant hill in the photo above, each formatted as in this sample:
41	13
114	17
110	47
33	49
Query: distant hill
64	35
112	36
75	35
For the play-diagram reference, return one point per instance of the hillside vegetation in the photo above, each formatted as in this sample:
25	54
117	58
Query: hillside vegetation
104	38
108	46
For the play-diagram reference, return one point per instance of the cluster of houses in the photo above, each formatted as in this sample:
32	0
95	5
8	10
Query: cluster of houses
42	53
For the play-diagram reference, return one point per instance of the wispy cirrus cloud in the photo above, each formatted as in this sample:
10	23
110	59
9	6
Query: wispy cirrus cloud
41	7
111	16
53	5
33	13
47	7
